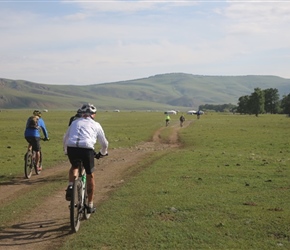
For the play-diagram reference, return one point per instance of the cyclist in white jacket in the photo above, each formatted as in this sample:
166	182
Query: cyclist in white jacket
79	144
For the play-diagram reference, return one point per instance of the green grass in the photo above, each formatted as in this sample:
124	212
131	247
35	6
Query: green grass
227	187
124	129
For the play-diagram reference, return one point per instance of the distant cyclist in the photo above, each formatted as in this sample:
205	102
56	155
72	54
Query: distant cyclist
182	120
32	134
76	116
167	120
79	142
198	114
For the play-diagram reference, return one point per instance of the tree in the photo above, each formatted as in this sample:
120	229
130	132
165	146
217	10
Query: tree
285	104
271	100
218	108
243	105
257	102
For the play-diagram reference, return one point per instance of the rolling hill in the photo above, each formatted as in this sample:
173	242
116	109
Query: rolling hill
159	92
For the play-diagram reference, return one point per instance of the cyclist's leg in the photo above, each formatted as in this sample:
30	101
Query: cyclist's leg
90	187
88	162
37	149
29	140
34	143
74	158
72	175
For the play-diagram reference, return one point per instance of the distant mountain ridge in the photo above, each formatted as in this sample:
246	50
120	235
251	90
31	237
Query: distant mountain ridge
164	91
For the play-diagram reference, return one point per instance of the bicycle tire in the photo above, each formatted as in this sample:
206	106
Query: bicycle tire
86	202
76	209
40	163
28	164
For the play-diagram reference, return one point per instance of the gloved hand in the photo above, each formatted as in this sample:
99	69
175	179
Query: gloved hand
46	139
99	155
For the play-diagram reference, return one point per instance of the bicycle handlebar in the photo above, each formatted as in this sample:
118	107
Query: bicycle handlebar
99	155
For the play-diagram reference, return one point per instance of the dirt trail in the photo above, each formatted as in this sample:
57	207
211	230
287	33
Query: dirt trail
47	225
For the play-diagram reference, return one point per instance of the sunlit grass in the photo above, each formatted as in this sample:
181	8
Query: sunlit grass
227	188
124	129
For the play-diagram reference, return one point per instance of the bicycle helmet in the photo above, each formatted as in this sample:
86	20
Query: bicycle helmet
79	111
89	109
37	113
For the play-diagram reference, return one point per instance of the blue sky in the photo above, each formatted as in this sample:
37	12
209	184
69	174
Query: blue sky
90	42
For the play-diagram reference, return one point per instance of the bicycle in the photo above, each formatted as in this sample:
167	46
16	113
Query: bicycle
167	122
29	161
79	200
30	164
181	119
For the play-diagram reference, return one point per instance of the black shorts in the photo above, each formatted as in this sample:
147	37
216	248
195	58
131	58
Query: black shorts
34	142
85	155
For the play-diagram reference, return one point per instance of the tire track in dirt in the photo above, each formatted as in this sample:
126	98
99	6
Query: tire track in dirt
47	226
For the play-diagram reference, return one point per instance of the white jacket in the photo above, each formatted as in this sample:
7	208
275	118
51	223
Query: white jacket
84	133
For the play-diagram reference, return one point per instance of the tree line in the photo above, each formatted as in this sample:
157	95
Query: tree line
258	102
264	101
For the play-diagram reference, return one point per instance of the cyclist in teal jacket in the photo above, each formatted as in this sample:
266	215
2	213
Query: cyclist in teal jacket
32	135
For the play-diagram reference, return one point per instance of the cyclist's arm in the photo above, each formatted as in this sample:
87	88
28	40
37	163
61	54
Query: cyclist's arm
41	124
64	141
101	138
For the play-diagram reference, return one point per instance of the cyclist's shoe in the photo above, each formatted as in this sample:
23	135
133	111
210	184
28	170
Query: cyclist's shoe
39	168
91	210
68	194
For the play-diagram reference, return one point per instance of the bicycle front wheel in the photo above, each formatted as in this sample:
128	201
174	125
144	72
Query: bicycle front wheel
76	206
28	164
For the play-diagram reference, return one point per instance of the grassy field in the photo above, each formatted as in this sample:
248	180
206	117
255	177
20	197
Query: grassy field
122	130
227	187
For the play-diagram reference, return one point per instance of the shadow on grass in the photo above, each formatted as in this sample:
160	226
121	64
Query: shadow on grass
33	232
35	179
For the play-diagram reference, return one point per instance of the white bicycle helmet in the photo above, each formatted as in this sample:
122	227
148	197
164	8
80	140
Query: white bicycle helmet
89	109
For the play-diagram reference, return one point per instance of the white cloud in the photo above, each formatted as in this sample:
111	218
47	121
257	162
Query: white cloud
128	6
258	17
102	41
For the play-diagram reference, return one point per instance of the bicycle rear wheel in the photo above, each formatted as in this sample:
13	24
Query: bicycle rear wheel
76	206
28	164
